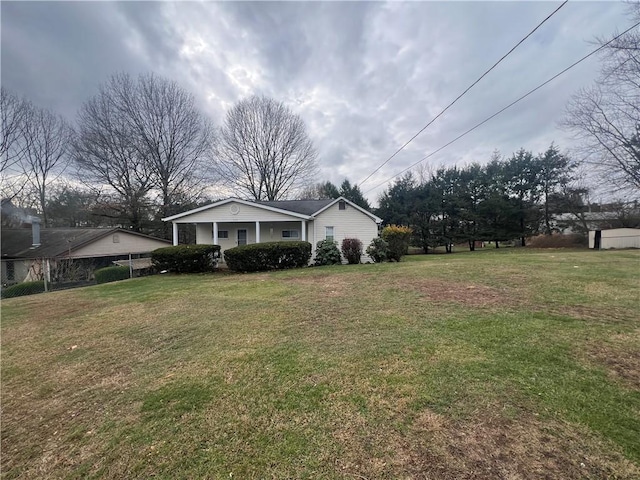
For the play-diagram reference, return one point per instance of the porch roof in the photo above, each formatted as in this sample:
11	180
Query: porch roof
300	209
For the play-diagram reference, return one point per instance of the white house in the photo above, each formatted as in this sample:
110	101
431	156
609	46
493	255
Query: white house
614	238
233	222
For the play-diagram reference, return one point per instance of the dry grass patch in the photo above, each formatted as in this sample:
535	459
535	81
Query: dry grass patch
471	295
491	447
487	446
620	355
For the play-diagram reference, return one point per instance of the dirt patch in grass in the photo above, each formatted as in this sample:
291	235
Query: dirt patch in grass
325	285
486	447
496	447
620	356
472	295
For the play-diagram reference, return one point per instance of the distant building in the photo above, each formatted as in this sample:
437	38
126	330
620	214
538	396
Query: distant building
27	253
614	238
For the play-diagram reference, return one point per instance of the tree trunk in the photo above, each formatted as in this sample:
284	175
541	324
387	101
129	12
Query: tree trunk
497	245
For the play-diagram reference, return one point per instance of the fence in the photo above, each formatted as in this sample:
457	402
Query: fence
28	276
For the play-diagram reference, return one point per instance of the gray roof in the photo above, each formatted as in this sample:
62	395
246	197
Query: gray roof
54	242
305	207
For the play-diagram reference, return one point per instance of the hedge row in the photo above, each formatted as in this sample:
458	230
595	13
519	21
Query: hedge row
25	288
111	274
258	257
186	258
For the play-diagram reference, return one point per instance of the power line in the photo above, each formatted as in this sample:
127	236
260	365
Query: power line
508	106
463	93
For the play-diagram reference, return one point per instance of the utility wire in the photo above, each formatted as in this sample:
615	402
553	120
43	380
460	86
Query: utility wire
508	106
463	93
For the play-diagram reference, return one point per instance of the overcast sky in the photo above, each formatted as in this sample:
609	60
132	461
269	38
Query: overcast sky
364	76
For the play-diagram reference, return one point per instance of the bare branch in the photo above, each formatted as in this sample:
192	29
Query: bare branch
264	150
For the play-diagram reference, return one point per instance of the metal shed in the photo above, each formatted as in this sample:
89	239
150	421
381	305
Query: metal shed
614	238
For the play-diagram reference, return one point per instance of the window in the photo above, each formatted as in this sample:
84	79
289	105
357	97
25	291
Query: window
223	234
289	233
116	238
342	205
328	233
11	271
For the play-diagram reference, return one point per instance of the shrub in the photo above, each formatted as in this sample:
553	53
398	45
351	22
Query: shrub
327	253
111	274
378	250
186	258
397	238
259	257
557	240
352	250
25	288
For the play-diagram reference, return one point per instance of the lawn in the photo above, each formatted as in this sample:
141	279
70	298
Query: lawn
511	364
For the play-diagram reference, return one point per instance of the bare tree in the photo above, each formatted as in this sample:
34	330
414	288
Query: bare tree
264	150
152	136
13	111
174	137
47	140
606	116
105	151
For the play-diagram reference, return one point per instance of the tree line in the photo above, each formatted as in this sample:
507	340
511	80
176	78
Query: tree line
501	200
141	150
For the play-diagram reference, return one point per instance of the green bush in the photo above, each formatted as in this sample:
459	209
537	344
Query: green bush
378	250
111	274
25	288
398	239
352	250
186	258
327	253
259	257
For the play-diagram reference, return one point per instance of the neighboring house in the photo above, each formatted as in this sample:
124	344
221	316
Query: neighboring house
614	238
233	222
29	252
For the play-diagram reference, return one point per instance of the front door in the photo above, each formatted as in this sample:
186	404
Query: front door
242	237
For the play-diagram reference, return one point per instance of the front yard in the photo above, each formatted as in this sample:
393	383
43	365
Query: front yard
493	364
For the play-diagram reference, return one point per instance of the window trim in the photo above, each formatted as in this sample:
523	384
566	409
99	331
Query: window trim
224	234
326	233
290	231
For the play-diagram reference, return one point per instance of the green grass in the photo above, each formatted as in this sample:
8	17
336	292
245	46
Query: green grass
492	364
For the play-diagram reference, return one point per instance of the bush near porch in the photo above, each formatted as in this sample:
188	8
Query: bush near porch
186	258
268	256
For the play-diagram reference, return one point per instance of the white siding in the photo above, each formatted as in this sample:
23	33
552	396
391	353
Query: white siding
204	233
244	213
348	223
617	238
126	243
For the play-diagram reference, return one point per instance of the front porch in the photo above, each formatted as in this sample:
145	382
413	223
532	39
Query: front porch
231	234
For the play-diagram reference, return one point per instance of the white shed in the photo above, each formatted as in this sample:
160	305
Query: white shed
614	238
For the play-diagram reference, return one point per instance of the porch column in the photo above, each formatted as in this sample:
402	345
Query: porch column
304	230
257	232
215	233
174	226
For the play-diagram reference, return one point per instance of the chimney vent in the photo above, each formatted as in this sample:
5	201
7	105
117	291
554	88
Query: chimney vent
35	232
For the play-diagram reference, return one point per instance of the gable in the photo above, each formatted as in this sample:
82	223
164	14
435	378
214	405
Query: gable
118	242
236	211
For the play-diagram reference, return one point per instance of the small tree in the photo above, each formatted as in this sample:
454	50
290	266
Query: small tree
398	238
378	250
327	253
352	250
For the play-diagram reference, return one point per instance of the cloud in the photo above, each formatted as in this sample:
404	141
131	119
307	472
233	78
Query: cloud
365	76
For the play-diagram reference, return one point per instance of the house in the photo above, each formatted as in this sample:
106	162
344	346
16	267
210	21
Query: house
232	222
614	238
27	253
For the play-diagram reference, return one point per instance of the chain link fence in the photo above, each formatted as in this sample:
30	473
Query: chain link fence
28	276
